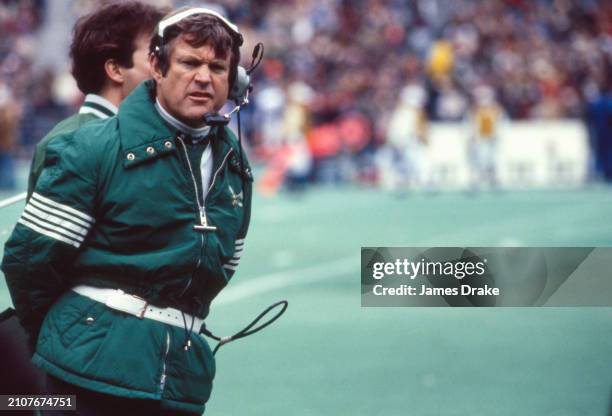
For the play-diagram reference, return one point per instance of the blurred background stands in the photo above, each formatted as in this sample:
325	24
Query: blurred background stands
334	70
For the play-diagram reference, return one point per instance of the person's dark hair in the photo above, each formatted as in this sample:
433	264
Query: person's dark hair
108	33
197	30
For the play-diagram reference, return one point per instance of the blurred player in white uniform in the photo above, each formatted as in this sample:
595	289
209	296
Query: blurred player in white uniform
485	121
402	162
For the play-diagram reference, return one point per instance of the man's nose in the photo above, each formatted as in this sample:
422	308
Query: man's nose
203	75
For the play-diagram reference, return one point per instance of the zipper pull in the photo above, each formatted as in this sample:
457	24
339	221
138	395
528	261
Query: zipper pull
204	223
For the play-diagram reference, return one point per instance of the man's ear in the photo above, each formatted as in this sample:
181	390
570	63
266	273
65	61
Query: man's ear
114	71
154	67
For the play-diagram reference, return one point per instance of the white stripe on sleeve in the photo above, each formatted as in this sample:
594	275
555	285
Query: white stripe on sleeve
59	213
232	264
48	233
47	217
55	220
51	227
62	207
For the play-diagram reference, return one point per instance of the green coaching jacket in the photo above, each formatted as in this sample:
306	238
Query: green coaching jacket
93	108
115	207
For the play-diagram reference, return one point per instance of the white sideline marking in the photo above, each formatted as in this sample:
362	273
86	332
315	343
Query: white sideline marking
13	200
256	285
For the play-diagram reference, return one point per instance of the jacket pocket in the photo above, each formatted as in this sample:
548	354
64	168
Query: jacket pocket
85	322
114	348
68	318
72	331
128	356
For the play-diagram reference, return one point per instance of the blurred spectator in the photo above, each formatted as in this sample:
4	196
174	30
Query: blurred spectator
42	111
9	119
325	144
269	107
599	122
18	21
356	134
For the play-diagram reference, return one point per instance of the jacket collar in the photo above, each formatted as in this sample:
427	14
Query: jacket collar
145	136
98	106
139	122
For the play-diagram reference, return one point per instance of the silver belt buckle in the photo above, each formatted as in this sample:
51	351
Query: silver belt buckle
144	307
125	302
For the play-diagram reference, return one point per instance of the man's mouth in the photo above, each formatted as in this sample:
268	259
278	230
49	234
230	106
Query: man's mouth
200	96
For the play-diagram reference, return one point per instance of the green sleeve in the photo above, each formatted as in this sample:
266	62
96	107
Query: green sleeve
50	231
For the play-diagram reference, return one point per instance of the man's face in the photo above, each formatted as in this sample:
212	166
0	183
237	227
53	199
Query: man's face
196	83
140	70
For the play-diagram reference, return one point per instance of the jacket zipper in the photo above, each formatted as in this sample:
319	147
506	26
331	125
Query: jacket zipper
195	187
162	381
201	208
212	183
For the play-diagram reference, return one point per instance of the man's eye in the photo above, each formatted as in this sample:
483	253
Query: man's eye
218	67
190	64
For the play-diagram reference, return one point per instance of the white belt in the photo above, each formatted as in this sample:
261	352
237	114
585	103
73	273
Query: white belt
119	300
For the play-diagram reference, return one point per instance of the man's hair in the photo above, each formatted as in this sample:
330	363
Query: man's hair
197	30
108	33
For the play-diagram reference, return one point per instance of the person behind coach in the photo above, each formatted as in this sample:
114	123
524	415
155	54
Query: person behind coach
109	53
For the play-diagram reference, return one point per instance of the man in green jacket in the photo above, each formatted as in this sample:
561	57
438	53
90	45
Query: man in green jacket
142	220
109	54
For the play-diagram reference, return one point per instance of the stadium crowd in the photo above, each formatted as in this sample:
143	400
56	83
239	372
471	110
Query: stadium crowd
334	69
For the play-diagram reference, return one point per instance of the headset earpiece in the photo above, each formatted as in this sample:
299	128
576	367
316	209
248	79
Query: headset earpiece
241	85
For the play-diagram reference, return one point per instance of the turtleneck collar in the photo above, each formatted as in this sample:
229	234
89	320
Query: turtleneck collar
199	132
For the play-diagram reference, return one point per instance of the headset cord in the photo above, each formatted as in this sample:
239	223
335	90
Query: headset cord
248	330
188	333
242	172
